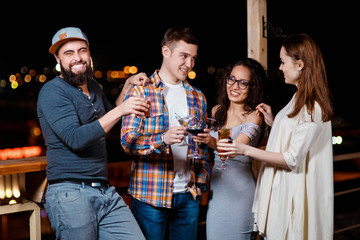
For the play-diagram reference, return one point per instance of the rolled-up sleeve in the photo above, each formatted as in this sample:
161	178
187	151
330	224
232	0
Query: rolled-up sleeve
302	139
136	140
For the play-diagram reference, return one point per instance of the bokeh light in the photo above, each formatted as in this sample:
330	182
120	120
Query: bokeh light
126	69
27	78
57	67
14	85
192	74
12	78
35	131
98	74
133	69
42	78
3	83
32	73
211	70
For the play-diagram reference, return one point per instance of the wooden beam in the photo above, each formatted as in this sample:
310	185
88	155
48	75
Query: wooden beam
23	165
257	44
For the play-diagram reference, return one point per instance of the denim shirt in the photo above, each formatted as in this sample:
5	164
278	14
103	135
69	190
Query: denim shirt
73	136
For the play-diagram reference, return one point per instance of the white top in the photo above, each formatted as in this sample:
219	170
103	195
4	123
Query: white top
175	98
297	204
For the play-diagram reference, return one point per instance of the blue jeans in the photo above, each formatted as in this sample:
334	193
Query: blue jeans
83	212
181	219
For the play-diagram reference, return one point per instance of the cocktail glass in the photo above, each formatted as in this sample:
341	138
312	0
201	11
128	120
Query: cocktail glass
223	133
184	121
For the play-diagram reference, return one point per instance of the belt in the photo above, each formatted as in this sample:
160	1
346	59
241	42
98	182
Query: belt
102	184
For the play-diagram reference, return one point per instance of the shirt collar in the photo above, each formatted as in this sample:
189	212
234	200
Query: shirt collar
156	80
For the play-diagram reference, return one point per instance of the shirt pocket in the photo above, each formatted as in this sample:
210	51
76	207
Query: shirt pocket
156	123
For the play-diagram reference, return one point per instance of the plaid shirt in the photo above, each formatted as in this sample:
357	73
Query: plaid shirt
152	169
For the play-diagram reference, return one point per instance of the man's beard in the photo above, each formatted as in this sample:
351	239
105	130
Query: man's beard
77	79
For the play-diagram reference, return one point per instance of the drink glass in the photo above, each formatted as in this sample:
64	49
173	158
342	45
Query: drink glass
194	130
224	133
184	121
213	124
148	101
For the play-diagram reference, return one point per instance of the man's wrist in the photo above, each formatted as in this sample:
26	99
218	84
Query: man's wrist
163	138
201	186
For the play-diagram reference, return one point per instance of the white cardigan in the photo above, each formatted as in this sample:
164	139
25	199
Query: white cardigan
297	204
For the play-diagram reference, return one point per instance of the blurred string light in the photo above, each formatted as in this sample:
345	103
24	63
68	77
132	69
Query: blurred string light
20	152
98	74
57	67
8	189
32	73
133	70
2	186
23	69
27	78
192	74
14	85
12	78
126	69
211	70
16	80
35	131
42	78
15	185
336	140
26	75
11	186
3	83
111	75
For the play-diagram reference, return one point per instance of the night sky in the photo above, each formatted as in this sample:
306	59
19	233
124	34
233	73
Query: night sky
130	34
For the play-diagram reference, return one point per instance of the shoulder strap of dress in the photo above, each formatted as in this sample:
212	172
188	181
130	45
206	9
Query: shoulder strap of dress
250	129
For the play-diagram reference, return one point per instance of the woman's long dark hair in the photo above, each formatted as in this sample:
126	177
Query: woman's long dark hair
258	82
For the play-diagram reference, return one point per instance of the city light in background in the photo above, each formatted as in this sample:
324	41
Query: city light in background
337	140
20	152
25	75
17	80
11	186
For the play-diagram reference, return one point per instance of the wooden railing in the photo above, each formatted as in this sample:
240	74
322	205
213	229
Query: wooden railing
355	175
119	174
14	167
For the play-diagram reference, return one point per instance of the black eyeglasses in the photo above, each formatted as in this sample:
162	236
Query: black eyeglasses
242	84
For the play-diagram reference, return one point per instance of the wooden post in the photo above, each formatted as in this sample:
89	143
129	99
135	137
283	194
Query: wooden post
34	219
257	44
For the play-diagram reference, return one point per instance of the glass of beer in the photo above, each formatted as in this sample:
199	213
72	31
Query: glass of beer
148	101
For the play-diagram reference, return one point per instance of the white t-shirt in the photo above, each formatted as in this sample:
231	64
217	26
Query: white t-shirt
175	98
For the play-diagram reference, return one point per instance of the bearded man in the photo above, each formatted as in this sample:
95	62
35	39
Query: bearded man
75	117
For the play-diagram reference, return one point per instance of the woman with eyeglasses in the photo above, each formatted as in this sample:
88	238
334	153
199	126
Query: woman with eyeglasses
232	190
294	196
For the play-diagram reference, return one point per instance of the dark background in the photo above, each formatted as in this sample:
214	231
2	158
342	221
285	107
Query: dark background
130	33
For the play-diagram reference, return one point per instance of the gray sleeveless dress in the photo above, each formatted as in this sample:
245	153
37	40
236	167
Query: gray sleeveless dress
229	214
